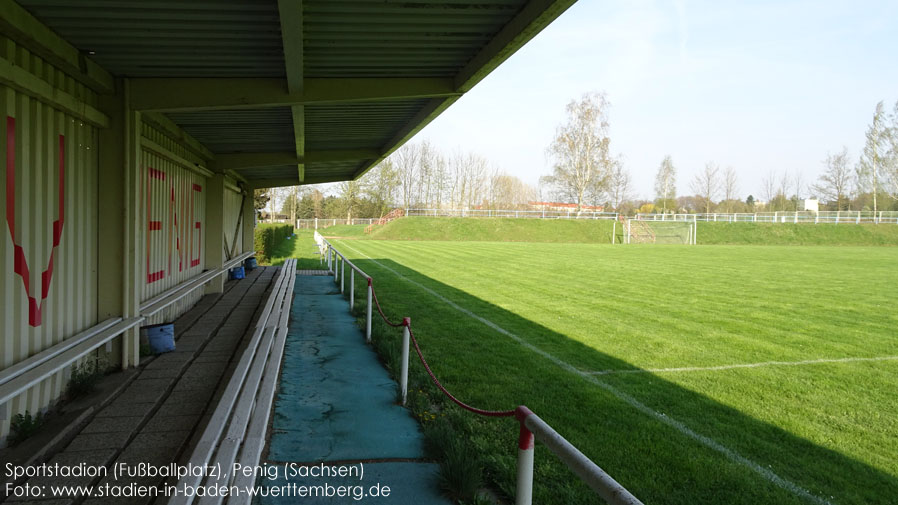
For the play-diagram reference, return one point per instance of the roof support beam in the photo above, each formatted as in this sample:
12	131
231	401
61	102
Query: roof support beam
279	183
32	85
291	37
428	113
241	161
197	94
535	16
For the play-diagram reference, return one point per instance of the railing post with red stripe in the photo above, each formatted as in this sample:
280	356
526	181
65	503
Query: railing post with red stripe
368	314
524	485
406	322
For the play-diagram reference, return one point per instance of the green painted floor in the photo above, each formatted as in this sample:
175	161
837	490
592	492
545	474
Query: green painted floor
336	404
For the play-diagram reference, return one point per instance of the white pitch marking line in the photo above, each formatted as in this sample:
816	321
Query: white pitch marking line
743	365
633	402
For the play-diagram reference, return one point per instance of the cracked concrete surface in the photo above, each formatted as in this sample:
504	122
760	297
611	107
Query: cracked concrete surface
337	404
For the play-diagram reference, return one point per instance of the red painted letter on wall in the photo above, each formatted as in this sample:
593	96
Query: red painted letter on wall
20	264
194	261
152	225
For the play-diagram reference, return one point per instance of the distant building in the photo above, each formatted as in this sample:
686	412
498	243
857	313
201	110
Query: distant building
564	207
811	205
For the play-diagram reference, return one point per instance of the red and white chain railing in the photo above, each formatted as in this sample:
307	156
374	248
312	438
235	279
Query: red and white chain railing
531	426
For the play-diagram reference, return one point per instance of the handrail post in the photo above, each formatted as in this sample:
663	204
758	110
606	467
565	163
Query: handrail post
368	313
523	494
406	322
336	270
351	288
343	275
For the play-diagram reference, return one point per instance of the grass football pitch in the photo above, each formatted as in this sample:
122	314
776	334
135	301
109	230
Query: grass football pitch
713	374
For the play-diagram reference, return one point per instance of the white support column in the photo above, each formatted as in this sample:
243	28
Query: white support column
403	378
343	275
249	221
368	312
119	179
351	289
112	161
133	255
524	482
214	237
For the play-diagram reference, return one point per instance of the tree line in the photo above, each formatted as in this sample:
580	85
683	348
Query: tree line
417	175
586	173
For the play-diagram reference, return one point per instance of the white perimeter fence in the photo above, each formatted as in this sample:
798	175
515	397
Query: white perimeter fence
532	428
831	217
523	214
315	224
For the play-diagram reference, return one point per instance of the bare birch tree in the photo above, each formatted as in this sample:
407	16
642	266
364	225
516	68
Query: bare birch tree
619	185
706	184
580	148
406	160
666	183
834	184
782	191
730	187
768	189
892	166
350	194
798	183
381	186
871	160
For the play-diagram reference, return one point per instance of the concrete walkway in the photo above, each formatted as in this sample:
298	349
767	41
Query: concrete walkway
336	405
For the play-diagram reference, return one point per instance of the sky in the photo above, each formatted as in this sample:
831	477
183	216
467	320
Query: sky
762	86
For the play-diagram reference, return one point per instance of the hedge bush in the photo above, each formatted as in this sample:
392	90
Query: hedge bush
267	236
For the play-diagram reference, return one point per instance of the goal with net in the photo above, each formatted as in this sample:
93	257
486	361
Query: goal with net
639	231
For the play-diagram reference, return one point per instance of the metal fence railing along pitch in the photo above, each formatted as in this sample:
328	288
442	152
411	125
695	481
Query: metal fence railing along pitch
822	217
532	428
507	213
800	217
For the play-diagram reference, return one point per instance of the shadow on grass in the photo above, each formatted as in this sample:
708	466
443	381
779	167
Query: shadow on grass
665	443
302	247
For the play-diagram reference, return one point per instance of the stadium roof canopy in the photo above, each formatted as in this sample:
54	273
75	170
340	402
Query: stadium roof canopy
286	92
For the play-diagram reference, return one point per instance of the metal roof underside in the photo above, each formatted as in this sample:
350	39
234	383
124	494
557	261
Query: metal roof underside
317	90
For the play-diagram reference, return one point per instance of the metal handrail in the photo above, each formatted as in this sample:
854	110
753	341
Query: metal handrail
16	369
530	424
54	361
331	255
787	217
175	293
19	377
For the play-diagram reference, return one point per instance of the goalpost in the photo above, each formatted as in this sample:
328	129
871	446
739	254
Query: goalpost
639	231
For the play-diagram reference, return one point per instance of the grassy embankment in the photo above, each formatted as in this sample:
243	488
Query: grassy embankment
599	232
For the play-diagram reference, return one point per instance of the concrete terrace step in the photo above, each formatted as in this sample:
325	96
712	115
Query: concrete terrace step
152	420
336	404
